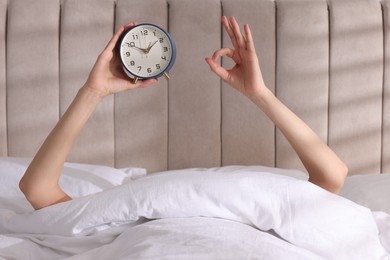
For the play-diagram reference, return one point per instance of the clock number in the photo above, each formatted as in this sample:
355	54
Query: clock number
144	32
149	70
132	63
127	54
165	49
139	68
131	44
164	57
161	40
135	37
158	66
154	33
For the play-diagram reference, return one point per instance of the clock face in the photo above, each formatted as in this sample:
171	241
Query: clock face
146	51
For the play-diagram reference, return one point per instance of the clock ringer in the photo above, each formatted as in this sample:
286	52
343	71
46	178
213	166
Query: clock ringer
147	51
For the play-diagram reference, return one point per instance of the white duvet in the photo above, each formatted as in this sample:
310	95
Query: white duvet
192	214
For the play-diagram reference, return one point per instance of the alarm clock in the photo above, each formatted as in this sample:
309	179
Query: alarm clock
146	51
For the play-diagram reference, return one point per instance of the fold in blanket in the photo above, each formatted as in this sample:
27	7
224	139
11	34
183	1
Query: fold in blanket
298	211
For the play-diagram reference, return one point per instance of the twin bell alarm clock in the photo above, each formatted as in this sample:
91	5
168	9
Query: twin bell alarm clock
146	51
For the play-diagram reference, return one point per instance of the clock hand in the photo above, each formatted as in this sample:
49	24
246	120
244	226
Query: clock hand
145	51
150	46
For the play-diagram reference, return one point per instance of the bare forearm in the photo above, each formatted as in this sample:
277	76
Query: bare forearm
325	168
58	144
45	169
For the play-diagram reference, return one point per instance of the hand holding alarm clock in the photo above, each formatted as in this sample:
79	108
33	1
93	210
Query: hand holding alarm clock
146	51
136	51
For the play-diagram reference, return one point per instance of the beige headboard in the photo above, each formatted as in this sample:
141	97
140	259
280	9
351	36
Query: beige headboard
327	60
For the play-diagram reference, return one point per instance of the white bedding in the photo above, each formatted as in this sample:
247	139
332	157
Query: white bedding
221	213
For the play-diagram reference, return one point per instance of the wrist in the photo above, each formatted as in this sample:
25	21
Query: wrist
91	93
260	98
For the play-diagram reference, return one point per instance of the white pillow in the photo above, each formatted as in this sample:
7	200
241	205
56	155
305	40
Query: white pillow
371	191
255	168
76	180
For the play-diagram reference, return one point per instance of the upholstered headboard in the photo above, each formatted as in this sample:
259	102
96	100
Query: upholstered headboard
327	60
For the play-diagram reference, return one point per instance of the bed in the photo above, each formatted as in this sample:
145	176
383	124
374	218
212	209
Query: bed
189	169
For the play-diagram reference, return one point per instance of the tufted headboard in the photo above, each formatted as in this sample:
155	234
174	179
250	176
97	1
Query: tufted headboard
327	60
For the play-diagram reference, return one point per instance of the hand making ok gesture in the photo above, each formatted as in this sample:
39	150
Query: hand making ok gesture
246	75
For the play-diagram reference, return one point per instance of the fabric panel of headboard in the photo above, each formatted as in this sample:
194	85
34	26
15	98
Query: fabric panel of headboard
85	27
324	59
386	90
248	136
194	93
32	88
356	83
302	78
3	112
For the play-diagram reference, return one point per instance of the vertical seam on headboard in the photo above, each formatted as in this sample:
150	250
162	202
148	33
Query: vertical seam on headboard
221	100
59	58
114	96
114	17
329	74
383	82
168	118
5	87
276	77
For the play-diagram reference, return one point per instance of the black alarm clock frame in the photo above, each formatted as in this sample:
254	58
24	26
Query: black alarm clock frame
146	51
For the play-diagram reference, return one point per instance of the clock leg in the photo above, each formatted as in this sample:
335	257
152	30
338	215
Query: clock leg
166	75
136	80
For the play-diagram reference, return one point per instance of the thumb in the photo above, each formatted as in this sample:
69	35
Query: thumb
217	69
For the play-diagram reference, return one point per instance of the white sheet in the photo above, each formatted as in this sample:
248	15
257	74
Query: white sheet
313	221
178	238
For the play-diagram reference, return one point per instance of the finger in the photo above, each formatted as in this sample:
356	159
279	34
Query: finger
146	82
217	69
130	25
112	43
237	33
249	40
222	52
122	84
229	31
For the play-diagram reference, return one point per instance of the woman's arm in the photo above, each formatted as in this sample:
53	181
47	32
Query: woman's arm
40	181
324	167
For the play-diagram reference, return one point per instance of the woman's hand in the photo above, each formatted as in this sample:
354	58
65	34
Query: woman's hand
246	75
107	75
